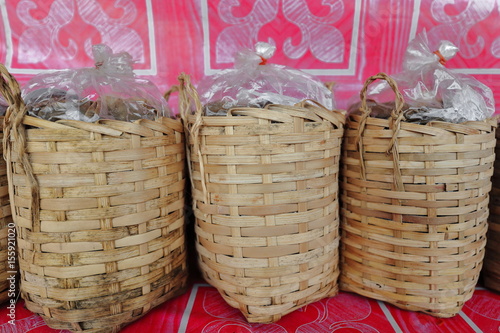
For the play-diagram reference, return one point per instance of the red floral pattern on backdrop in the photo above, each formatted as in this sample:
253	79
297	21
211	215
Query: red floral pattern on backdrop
340	40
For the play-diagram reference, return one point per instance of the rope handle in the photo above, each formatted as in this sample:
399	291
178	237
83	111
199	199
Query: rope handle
397	111
173	89
396	114
9	87
15	134
395	124
188	95
330	84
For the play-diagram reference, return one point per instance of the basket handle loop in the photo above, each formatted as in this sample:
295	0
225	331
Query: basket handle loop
173	89
336	116
330	84
395	123
15	133
188	95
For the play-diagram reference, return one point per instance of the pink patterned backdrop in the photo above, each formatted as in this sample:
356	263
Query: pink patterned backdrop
341	40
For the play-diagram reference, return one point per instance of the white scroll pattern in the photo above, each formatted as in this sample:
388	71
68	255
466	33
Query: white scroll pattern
114	32
456	27
231	319
325	41
243	32
495	46
40	40
318	34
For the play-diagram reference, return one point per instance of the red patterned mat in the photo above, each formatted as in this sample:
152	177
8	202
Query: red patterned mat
201	309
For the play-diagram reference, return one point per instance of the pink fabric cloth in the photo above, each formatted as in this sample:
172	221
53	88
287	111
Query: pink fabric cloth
338	40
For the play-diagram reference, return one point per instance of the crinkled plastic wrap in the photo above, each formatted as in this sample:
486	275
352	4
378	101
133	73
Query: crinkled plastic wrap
255	83
110	90
434	92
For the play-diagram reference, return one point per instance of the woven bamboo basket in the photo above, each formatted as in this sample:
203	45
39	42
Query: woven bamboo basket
265	192
491	268
6	254
98	209
414	208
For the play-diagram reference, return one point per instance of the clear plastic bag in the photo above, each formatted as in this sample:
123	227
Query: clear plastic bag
255	83
434	92
110	90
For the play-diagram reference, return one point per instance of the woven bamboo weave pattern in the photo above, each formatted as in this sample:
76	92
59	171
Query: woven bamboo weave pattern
414	208
99	214
265	189
5	220
491	268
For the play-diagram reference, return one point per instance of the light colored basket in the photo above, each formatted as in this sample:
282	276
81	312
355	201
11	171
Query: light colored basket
491	268
265	192
99	212
414	208
6	253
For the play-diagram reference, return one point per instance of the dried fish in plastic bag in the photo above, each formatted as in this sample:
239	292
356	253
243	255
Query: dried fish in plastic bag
110	90
434	92
256	83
